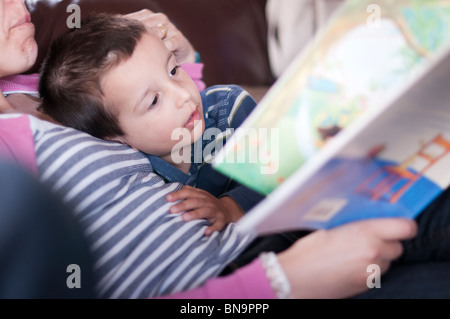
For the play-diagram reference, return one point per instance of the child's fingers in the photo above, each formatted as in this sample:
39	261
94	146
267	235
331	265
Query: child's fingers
184	193
217	226
188	204
200	213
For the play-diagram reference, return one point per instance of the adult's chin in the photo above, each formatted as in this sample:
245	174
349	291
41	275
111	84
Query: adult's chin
30	52
19	60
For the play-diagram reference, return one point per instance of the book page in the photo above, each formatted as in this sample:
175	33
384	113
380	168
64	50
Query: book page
355	64
392	166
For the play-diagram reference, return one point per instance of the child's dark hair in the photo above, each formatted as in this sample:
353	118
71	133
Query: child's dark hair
69	84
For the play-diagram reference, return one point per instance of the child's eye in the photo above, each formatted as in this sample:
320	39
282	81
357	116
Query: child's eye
154	102
174	71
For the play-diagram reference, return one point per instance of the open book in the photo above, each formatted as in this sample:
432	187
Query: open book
359	125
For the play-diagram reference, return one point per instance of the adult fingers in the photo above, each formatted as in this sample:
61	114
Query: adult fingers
392	228
181	47
391	250
176	42
160	25
157	23
140	15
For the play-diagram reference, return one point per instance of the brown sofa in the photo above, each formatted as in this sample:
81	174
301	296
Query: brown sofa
229	35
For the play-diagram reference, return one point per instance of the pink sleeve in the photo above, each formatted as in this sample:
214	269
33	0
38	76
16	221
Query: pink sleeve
195	71
248	282
20	84
17	143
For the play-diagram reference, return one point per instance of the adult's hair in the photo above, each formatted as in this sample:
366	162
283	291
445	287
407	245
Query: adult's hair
70	81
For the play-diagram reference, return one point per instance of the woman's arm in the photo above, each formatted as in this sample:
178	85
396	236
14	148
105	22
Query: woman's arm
325	264
249	282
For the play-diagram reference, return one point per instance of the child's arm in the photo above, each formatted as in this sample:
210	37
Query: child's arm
245	197
198	203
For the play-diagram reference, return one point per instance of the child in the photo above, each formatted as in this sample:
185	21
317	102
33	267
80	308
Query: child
115	80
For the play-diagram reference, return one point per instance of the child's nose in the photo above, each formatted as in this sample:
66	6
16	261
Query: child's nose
182	97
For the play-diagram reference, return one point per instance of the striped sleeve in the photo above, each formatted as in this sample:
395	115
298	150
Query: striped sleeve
228	105
140	250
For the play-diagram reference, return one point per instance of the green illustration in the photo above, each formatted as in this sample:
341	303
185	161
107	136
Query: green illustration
359	59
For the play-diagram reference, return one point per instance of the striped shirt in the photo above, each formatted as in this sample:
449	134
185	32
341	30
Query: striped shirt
140	250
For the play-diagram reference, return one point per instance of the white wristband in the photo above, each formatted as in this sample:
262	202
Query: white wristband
276	275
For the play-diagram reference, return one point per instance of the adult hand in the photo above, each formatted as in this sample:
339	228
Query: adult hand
174	40
333	263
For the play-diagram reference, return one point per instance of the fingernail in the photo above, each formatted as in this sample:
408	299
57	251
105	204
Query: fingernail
173	210
186	217
169	197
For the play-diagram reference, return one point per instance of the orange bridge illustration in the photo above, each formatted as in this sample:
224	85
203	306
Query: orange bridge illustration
394	180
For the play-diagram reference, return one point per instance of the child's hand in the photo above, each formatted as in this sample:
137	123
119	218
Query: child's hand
200	204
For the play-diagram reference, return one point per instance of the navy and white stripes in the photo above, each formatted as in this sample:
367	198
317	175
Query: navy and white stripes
140	249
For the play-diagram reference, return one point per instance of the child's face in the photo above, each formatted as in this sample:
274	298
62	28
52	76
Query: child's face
153	97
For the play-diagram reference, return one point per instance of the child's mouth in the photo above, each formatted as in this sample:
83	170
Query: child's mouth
195	116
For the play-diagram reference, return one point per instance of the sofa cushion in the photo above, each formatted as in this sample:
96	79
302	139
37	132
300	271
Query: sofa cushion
230	35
